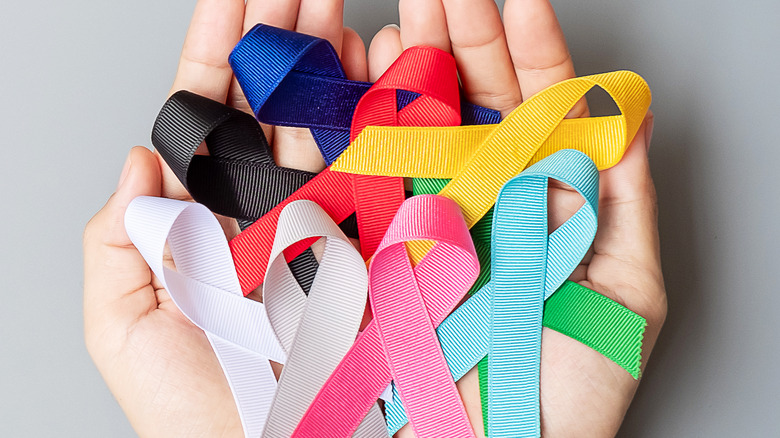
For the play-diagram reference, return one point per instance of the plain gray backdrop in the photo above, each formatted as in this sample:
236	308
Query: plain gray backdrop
81	82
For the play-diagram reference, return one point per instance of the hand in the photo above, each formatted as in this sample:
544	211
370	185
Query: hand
158	365
583	394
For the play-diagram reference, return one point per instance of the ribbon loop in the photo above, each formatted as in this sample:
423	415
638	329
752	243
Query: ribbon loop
316	331
205	288
239	177
366	370
400	311
480	159
375	200
292	79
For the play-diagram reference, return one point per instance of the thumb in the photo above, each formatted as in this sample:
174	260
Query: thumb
117	280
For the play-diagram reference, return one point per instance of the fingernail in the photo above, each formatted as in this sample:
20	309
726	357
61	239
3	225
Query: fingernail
393	25
125	172
649	132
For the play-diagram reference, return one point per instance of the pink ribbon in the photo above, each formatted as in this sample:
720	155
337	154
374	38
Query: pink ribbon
400	344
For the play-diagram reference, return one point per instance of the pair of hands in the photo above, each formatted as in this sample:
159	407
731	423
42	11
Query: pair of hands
161	368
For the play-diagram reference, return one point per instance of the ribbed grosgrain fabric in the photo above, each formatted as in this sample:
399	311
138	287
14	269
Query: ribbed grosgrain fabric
598	322
292	79
379	355
380	197
206	290
520	273
527	266
480	160
239	177
316	331
375	200
408	336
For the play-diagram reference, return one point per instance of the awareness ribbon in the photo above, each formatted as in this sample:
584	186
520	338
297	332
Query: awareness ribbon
374	199
399	343
481	159
524	276
206	290
503	323
293	79
239	177
316	331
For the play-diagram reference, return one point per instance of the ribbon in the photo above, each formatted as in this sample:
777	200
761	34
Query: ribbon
481	159
374	199
407	333
206	290
505	322
316	331
239	177
292	79
408	302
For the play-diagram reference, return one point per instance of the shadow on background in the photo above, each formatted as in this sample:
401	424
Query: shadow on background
615	45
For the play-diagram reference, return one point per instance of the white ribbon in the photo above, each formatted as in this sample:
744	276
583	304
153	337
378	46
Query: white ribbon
206	290
319	330
316	331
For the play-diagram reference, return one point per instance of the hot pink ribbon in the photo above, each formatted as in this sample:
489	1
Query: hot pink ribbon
400	344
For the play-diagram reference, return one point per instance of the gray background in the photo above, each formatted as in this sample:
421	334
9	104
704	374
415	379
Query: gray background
81	82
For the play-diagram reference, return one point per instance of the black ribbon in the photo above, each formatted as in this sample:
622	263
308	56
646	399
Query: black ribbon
239	177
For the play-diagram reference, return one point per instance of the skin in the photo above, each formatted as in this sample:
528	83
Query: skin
161	368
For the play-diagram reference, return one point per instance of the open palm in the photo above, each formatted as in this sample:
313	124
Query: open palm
161	368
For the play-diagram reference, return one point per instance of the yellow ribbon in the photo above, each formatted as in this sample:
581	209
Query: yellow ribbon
481	159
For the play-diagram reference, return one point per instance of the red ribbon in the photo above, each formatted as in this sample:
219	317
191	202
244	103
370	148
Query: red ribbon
425	70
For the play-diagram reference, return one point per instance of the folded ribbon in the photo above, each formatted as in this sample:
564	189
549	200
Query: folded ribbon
407	333
316	331
206	290
374	199
525	258
292	79
481	159
239	177
399	343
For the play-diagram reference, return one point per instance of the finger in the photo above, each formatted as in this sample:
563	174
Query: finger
278	13
117	288
323	19
627	236
538	48
423	23
384	49
203	67
295	147
353	56
481	52
628	208
214	31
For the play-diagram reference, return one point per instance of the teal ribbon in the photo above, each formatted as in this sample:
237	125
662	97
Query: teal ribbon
527	266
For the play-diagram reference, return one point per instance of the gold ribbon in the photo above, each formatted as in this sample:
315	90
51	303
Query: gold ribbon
480	159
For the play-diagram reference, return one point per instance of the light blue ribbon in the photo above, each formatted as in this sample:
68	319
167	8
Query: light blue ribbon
504	318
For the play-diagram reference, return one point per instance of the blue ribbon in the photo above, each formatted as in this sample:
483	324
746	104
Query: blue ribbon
292	79
504	318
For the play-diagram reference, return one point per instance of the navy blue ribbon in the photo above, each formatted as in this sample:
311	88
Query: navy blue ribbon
293	79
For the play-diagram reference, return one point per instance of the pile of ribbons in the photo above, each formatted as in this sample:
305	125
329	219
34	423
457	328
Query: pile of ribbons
461	272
